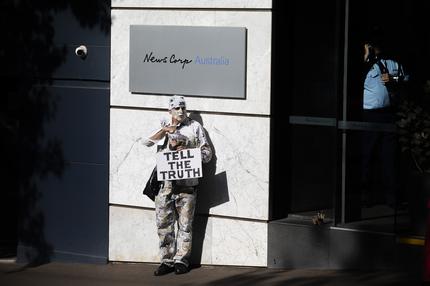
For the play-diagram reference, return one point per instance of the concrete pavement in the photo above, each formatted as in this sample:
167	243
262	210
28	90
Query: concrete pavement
12	274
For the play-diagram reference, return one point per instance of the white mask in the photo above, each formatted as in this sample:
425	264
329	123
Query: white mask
179	113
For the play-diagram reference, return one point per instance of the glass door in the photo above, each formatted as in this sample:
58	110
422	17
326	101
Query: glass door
381	190
307	85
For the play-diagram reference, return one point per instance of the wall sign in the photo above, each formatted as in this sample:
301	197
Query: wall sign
178	165
200	61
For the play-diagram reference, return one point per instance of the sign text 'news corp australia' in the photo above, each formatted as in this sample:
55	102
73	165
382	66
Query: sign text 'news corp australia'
199	61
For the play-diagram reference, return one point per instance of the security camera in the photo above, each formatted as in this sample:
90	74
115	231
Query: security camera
81	51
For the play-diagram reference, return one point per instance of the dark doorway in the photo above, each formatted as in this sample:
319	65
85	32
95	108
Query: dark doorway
56	127
307	64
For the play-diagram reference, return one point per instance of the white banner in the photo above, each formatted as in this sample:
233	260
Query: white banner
178	165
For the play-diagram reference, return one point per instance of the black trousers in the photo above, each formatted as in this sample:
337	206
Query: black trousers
379	159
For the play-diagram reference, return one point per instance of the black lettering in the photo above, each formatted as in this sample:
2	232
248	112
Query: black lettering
185	62
183	156
188	172
148	57
179	165
187	164
167	155
189	154
163	173
174	60
172	175
196	173
175	156
171	165
180	174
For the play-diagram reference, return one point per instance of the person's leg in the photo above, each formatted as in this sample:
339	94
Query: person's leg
372	143
165	220
185	207
369	145
389	168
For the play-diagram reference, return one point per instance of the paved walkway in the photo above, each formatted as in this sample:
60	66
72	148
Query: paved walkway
141	274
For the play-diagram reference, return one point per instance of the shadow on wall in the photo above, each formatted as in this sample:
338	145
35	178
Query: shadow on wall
29	58
213	191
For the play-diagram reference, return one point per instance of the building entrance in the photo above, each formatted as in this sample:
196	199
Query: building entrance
319	133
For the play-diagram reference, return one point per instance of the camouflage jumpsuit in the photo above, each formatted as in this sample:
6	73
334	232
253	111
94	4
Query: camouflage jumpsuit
176	200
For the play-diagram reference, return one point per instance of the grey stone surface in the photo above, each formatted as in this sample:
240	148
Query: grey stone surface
142	274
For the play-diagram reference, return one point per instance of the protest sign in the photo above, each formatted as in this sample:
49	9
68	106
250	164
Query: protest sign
178	165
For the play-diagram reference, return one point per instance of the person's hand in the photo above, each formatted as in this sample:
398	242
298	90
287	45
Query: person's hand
385	77
175	145
180	147
367	48
169	129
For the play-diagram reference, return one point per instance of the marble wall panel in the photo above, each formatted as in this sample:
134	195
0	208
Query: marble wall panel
231	222
216	241
224	4
132	235
236	181
258	24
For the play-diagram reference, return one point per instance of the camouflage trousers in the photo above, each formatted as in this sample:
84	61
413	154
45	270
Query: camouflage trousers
175	204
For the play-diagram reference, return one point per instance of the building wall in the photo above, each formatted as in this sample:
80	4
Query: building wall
232	213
